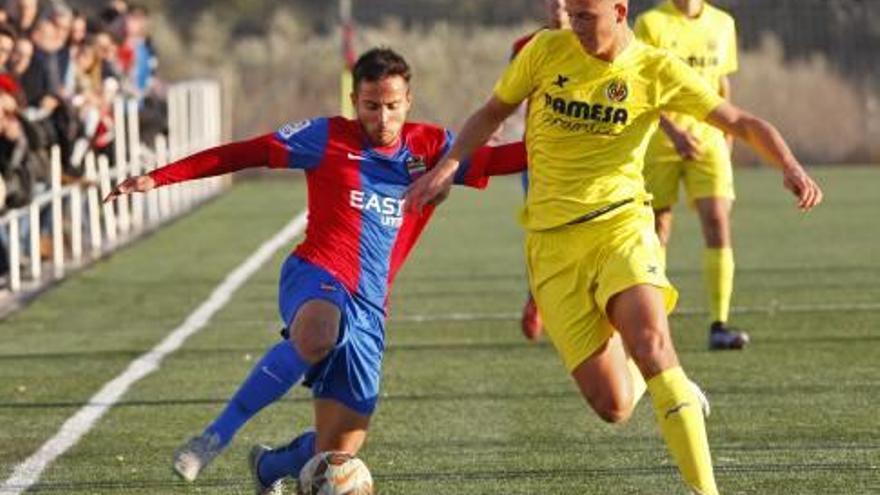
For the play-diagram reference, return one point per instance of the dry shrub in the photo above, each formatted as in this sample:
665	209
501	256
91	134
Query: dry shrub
823	116
291	73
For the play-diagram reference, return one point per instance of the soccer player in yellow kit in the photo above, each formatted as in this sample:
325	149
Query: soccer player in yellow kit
556	17
595	96
695	153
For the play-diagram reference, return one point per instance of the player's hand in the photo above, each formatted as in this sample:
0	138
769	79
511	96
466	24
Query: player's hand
796	180
686	145
431	188
141	183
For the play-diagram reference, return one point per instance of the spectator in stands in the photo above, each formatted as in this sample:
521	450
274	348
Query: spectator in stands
78	29
143	57
44	87
23	14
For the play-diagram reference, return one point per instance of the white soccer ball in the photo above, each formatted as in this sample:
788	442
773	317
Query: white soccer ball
335	473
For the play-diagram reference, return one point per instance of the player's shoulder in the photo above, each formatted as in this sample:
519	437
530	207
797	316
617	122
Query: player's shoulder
657	15
550	38
717	14
649	54
424	133
302	128
426	139
522	41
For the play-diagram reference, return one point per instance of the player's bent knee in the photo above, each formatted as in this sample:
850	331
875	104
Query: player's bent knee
315	330
613	411
313	344
652	350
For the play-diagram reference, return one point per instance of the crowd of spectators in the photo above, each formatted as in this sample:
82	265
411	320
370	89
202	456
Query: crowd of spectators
60	72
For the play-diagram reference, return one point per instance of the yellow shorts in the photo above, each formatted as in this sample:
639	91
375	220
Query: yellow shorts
575	270
709	177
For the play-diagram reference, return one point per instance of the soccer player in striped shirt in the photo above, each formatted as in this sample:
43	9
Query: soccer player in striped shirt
595	95
334	287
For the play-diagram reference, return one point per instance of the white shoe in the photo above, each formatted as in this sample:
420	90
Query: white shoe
257	452
704	401
195	455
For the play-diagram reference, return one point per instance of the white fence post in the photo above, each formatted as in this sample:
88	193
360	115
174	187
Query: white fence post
94	205
164	194
134	164
57	215
14	254
121	164
36	262
109	214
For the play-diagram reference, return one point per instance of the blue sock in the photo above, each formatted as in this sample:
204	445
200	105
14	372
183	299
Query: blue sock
288	460
279	369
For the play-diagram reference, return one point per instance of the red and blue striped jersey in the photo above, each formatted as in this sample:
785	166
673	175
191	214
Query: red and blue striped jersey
358	229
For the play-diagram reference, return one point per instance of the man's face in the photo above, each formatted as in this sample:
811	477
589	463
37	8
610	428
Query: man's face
557	17
7	46
21	58
382	107
596	21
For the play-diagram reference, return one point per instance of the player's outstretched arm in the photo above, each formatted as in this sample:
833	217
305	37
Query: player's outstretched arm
433	187
766	140
261	151
141	183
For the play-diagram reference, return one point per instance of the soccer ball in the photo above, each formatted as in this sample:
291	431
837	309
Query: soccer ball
335	473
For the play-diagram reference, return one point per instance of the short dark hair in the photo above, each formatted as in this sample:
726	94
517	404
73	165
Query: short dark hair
8	30
379	63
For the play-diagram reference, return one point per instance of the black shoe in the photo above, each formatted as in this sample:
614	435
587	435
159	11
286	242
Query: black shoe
722	337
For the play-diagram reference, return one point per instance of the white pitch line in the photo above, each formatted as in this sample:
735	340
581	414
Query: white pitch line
28	472
769	309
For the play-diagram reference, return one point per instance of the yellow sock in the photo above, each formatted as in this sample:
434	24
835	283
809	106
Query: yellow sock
718	273
638	381
681	422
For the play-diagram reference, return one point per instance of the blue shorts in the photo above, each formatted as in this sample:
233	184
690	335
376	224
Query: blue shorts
351	372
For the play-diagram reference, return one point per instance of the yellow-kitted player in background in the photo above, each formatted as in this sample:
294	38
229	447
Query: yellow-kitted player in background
689	151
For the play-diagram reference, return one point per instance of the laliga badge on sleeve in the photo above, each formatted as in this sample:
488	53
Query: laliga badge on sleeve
416	165
289	130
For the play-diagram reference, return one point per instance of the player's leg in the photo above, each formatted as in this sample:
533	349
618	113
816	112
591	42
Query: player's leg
611	393
662	176
313	317
663	227
639	313
313	334
709	186
337	428
636	296
346	390
561	276
530	323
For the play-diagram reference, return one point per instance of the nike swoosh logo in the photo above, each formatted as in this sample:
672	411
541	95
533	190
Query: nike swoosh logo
352	156
273	375
676	409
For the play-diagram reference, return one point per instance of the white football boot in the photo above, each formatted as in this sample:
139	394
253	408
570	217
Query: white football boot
195	455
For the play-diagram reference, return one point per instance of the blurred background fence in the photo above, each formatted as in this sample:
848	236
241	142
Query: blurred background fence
811	66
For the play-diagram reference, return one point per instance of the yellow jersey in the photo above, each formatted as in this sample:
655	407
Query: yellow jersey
707	43
589	120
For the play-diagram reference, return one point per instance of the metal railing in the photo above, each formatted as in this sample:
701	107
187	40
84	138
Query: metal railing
81	227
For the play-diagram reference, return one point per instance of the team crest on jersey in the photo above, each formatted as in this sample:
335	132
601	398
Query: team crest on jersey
712	45
617	91
290	129
416	165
